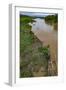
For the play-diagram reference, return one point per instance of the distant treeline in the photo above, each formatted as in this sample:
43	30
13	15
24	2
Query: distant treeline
51	18
33	17
26	19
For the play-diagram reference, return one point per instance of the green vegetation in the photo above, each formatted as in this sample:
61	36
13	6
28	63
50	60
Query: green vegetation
53	20
45	51
33	55
26	19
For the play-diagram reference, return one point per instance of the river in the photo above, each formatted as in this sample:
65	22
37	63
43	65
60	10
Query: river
45	33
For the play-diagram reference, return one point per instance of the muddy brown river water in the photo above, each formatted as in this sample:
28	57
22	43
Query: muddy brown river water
48	36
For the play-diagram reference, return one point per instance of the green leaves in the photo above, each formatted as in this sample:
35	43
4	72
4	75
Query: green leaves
45	51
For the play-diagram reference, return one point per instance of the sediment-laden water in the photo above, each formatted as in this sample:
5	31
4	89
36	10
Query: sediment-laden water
48	36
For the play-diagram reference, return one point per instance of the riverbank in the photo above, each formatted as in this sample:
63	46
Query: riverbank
33	56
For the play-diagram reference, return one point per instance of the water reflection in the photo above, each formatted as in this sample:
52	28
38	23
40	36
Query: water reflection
40	24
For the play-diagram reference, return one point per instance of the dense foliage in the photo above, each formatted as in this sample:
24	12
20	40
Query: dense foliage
33	56
53	20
